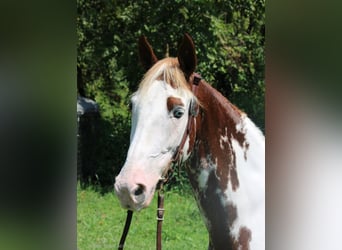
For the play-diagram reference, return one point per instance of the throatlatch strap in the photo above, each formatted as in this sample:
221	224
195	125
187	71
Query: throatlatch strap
126	228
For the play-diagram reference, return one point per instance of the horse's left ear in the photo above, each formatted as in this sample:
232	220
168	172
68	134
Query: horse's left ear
187	56
146	54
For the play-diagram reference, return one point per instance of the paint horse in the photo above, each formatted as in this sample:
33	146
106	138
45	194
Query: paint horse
223	146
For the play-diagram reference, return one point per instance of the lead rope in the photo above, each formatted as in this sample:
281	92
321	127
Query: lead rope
160	218
126	228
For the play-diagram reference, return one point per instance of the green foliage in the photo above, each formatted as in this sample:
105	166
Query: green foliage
100	221
229	38
178	180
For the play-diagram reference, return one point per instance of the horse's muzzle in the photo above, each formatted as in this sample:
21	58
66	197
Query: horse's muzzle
133	196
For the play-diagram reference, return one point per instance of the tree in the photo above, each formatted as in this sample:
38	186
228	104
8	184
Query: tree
229	38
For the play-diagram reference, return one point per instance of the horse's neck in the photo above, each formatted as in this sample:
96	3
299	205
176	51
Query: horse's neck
227	173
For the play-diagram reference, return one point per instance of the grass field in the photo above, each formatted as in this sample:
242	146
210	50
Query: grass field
100	221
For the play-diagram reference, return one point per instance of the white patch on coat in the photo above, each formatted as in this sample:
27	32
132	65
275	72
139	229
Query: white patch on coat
206	167
203	179
240	127
224	139
249	198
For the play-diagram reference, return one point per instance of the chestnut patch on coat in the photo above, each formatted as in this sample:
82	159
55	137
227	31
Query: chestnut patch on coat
220	217
172	102
219	118
244	238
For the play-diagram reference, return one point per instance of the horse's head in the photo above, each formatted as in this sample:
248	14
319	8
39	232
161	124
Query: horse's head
160	113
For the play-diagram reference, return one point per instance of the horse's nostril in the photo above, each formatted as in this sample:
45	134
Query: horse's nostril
140	189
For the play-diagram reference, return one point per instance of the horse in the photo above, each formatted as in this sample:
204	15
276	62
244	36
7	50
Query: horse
178	117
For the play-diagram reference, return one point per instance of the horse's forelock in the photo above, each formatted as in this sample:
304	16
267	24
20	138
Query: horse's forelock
169	71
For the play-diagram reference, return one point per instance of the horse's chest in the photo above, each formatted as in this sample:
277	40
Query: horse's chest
215	181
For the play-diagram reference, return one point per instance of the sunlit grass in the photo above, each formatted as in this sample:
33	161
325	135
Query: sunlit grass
100	221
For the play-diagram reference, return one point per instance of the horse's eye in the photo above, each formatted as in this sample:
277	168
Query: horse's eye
178	112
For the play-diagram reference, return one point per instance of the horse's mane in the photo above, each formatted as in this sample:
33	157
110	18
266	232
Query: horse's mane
169	71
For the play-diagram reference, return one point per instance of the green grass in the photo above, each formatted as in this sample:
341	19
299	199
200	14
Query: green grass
100	221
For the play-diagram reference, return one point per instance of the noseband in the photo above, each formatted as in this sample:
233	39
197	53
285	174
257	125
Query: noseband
193	112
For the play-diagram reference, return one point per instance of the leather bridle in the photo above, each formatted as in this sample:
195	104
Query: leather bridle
193	112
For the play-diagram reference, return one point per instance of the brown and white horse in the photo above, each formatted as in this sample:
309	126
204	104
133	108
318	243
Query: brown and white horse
225	149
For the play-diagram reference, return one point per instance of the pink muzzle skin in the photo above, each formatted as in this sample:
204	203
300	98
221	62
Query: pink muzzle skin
134	191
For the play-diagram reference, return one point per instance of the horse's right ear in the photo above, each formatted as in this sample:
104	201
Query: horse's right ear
146	54
187	56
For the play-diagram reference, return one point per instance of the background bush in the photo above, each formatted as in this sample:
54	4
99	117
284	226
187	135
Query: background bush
229	38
